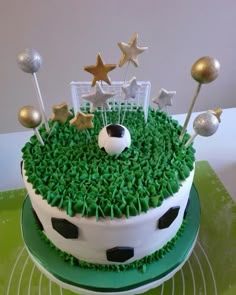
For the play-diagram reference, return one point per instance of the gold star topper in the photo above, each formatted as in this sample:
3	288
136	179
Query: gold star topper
60	113
130	51
82	121
217	112
100	71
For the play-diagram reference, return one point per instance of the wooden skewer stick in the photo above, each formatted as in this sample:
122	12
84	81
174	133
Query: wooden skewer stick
40	99
38	136
191	139
126	72
190	111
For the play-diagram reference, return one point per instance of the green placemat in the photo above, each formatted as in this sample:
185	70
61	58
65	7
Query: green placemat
210	270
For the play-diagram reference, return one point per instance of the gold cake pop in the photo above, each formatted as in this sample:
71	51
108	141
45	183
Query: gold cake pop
30	117
204	70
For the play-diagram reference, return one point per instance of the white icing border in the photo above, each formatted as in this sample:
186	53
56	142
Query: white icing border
95	237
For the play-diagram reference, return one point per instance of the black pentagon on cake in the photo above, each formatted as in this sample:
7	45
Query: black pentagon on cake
120	254
167	219
65	228
186	209
39	224
114	130
21	166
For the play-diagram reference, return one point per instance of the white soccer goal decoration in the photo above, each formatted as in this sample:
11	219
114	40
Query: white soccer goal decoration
141	99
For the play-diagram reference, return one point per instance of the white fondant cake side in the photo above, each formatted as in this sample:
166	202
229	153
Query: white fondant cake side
141	233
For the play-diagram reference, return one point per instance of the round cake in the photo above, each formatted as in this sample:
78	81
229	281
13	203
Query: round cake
111	207
111	211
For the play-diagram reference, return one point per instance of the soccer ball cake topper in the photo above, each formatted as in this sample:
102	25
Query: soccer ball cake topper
114	139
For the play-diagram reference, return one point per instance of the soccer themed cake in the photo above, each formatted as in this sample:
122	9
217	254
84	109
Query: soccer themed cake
111	207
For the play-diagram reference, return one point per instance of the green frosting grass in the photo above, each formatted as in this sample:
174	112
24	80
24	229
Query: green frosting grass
72	173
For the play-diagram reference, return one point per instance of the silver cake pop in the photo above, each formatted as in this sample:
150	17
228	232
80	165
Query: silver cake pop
29	61
205	124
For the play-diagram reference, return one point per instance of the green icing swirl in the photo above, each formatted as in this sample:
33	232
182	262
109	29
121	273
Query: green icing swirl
72	173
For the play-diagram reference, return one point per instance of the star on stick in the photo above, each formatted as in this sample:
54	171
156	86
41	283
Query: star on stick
217	112
82	121
130	88
164	98
100	71
98	98
60	113
130	51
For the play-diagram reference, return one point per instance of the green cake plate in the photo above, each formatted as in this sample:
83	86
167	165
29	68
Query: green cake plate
210	270
90	281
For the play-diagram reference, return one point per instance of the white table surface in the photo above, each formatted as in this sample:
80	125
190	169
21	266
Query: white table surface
219	150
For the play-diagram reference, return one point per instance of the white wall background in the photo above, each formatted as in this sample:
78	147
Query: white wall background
69	34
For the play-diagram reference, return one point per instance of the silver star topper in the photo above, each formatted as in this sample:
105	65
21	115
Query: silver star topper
130	88
130	51
164	98
98	98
